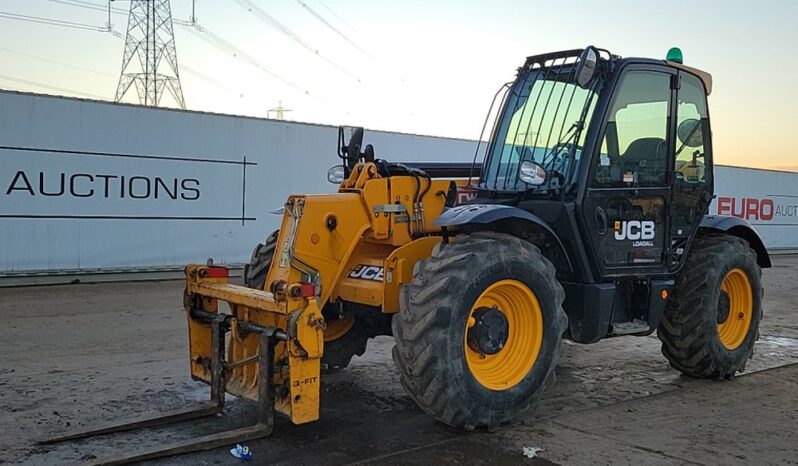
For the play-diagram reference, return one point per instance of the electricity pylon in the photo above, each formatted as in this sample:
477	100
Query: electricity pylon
149	63
279	111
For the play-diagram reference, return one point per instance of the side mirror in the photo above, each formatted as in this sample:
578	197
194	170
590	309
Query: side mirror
586	66
355	143
532	173
689	133
349	151
336	174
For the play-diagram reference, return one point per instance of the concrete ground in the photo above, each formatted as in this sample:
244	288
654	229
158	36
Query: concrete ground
82	354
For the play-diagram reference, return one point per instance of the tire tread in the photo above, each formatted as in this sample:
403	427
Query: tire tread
424	318
686	343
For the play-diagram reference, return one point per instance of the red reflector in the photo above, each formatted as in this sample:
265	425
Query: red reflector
307	290
218	272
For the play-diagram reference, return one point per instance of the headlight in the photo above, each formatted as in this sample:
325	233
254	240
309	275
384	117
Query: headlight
336	174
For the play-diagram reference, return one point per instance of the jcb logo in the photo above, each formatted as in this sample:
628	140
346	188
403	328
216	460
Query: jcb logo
367	272
634	230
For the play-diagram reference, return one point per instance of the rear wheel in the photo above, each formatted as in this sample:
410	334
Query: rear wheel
712	319
480	330
345	336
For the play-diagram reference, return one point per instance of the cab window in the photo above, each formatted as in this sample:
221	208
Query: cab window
635	144
692	131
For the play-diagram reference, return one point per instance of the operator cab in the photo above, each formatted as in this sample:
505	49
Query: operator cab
605	163
592	142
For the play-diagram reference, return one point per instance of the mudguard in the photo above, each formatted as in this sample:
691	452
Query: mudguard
742	229
484	213
481	214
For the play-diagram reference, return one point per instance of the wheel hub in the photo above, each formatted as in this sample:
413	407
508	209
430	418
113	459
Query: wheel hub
337	327
735	308
489	331
724	305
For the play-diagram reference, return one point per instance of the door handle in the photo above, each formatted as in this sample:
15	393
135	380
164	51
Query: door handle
600	217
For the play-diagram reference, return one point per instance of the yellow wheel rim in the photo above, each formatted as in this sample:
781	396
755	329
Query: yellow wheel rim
734	329
338	328
506	368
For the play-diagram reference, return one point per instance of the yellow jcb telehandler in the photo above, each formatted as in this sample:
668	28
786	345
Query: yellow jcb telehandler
587	218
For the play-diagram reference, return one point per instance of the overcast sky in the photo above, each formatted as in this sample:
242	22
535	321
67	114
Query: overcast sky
423	66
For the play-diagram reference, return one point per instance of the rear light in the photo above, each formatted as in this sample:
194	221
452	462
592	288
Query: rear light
218	272
307	290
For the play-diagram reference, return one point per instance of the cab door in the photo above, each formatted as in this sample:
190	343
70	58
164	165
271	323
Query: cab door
628	191
692	174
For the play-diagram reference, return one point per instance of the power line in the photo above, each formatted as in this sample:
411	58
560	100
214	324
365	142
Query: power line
200	31
109	27
65	2
340	18
52	88
226	47
194	72
183	67
334	29
273	22
191	71
51	22
391	69
91	6
186	68
106	7
56	62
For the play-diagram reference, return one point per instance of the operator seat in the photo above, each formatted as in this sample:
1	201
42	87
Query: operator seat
647	158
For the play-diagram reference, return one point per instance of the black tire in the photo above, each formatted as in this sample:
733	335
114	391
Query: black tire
689	327
431	326
255	272
337	353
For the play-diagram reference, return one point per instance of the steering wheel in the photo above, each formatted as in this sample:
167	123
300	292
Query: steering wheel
560	153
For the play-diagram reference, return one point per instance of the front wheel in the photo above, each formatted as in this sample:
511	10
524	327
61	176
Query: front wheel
480	330
712	318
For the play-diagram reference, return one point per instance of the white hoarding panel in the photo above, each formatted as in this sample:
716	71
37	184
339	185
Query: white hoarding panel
87	185
767	199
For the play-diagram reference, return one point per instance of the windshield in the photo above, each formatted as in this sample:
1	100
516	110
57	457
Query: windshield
543	120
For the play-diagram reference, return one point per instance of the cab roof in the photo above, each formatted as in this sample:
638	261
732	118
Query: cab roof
570	57
705	77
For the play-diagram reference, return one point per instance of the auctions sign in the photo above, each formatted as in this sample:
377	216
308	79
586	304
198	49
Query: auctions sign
42	183
85	185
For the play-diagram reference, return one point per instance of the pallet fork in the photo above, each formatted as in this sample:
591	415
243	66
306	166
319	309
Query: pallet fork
220	325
